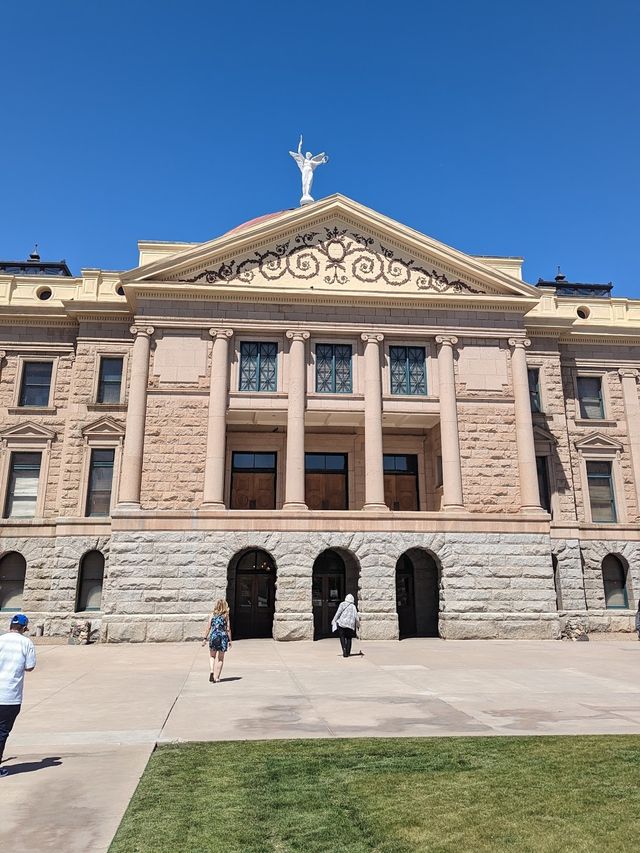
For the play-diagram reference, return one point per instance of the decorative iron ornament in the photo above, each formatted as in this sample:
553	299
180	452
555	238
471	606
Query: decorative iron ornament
336	258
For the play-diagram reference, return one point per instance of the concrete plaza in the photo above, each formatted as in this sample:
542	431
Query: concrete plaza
92	715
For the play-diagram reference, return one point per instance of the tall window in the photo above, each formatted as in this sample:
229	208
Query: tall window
542	467
408	374
12	573
401	482
534	388
326	480
258	366
590	397
253	481
110	380
90	581
333	368
614	579
601	492
36	383
100	481
22	494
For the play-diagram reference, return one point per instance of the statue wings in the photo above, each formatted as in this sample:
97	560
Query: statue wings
298	158
320	159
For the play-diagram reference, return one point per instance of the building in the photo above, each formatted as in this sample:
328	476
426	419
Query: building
319	401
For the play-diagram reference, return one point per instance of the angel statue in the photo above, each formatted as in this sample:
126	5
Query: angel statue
307	163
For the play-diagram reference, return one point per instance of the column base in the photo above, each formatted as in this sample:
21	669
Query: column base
533	510
128	505
295	506
453	508
214	505
375	508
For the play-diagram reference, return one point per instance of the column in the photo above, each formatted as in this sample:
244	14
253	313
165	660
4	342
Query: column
529	491
373	460
131	471
449	437
294	497
213	495
629	378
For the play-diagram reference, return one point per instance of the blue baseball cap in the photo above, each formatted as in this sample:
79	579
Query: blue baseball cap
20	619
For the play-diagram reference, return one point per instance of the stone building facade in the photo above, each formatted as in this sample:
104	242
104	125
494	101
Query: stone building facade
320	401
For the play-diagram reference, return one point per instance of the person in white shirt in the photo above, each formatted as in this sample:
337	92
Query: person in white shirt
345	622
17	656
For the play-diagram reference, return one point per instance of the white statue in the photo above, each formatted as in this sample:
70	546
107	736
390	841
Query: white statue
307	163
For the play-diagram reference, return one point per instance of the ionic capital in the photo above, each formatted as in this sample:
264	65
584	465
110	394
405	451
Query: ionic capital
143	331
298	335
372	337
3	354
519	343
221	333
628	372
446	340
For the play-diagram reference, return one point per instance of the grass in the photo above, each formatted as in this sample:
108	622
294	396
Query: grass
388	795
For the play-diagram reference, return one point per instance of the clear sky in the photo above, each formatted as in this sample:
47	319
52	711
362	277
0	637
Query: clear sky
499	127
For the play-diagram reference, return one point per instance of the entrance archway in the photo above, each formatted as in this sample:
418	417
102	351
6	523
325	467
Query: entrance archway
335	573
251	593
417	594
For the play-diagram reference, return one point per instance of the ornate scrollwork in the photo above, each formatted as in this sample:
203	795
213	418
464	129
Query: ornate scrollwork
338	257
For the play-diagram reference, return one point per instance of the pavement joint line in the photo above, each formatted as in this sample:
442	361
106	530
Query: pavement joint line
54	693
305	695
176	697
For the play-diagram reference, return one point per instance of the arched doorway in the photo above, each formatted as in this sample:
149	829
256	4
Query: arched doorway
417	594
252	594
614	579
335	573
13	568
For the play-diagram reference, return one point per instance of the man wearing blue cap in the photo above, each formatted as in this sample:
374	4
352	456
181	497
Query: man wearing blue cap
17	656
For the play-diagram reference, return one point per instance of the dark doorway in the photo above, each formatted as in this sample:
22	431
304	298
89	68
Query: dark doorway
329	575
254	595
417	594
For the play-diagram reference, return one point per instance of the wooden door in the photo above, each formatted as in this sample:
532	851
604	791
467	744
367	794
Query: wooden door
401	492
328	592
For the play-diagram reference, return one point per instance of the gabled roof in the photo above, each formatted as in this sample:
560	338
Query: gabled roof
334	245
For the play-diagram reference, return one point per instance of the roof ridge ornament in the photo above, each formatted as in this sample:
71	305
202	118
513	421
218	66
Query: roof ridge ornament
307	164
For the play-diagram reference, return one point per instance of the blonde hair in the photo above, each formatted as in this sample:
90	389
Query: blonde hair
221	608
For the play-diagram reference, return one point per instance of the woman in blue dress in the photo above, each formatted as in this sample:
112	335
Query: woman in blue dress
218	634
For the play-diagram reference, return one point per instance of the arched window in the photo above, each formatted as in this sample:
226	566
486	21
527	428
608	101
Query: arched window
12	571
614	578
90	582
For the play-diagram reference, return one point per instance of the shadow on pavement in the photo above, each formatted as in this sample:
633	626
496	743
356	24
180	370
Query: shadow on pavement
30	766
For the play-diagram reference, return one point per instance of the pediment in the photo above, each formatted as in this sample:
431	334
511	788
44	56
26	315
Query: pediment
334	245
104	428
543	436
28	431
598	441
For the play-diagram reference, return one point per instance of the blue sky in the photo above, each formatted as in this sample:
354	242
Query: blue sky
499	127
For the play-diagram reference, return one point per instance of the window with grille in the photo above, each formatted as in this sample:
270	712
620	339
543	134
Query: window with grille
408	374
36	383
333	368
601	491
258	366
100	482
590	397
110	380
22	494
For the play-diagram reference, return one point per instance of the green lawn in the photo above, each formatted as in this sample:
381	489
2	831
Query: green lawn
389	795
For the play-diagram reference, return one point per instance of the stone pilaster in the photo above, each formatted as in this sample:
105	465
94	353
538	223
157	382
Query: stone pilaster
529	491
294	497
449	435
629	379
373	459
213	494
132	456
